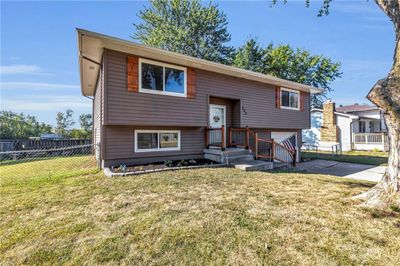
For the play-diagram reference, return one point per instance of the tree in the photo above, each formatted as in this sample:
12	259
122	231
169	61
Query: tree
187	27
386	95
64	122
20	126
250	56
285	62
86	123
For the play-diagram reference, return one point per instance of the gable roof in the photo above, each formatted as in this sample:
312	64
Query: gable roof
355	108
92	44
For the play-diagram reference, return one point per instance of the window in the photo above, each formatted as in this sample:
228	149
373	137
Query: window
290	99
162	78
157	140
361	126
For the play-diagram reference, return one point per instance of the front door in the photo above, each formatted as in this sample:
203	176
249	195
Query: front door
217	120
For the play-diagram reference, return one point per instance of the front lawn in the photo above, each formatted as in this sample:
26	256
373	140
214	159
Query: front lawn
362	157
203	216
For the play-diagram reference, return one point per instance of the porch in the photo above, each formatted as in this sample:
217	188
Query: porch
250	144
370	141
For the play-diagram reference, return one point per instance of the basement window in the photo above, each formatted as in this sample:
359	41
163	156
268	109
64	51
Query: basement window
157	140
290	99
161	78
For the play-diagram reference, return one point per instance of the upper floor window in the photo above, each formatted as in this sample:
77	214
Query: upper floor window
290	99
162	78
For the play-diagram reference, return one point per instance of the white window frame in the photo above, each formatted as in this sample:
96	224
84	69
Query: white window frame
158	144
298	99
163	65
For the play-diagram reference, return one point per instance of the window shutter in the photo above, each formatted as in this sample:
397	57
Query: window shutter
277	97
133	73
191	83
302	97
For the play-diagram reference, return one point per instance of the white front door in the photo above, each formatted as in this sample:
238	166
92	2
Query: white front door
217	120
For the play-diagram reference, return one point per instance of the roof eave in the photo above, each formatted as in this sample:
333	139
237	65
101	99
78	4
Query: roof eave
127	47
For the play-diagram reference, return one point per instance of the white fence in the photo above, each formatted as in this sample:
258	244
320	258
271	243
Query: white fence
370	141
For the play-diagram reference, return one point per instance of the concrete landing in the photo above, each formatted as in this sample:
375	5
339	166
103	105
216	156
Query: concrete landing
254	165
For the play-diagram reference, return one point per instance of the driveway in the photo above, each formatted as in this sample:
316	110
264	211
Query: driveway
347	170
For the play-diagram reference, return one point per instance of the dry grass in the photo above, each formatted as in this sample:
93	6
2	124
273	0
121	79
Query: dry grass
204	216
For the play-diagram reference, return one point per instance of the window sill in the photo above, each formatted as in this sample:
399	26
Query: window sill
157	150
290	108
162	93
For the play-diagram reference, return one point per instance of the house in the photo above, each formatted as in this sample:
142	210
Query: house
151	105
351	127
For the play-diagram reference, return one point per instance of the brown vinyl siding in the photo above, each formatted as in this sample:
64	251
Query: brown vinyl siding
120	142
257	101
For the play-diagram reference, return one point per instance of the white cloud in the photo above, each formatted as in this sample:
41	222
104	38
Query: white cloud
21	69
36	86
47	103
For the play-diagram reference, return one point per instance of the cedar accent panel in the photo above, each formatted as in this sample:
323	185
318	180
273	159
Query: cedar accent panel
133	73
191	83
278	97
302	98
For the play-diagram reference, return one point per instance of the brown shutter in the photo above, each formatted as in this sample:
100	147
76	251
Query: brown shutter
133	73
277	97
191	83
302	97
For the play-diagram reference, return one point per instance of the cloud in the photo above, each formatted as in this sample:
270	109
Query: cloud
36	86
21	69
49	103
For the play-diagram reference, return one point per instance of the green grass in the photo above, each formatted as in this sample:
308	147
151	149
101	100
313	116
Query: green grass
362	157
199	217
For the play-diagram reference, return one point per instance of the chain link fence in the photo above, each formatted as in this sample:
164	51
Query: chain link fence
48	162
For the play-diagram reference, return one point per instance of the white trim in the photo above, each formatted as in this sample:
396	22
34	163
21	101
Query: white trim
209	117
298	99
163	65
138	131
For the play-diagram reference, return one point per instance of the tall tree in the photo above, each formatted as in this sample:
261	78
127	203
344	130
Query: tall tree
64	122
297	65
20	126
250	56
386	95
86	122
187	27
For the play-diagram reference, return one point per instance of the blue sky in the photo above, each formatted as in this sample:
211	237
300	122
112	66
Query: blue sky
39	68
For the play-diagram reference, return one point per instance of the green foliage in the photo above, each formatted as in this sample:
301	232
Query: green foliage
64	122
250	56
186	27
297	65
86	122
80	134
20	126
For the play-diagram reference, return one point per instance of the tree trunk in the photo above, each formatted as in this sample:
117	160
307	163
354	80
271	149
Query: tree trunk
386	95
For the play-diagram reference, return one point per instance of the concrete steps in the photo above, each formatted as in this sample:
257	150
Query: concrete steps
243	159
255	165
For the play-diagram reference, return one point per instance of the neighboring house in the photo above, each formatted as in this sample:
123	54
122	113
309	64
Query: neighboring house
151	105
352	127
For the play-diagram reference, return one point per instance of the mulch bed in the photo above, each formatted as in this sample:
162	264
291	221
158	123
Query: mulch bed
162	166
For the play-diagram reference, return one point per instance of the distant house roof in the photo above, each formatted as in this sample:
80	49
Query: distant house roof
355	108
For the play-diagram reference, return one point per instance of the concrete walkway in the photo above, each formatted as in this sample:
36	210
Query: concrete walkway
348	170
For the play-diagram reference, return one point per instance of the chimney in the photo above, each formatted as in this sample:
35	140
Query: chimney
329	129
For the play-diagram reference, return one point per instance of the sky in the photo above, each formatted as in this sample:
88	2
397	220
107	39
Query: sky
39	58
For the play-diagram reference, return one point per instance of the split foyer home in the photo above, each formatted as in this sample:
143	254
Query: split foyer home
351	127
151	105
